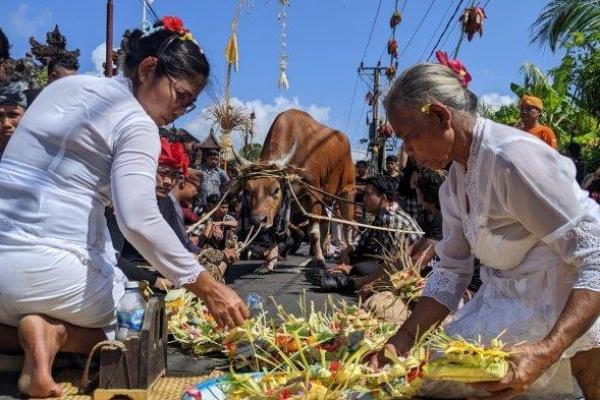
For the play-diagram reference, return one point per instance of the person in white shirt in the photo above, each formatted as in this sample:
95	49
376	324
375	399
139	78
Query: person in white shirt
513	202
85	142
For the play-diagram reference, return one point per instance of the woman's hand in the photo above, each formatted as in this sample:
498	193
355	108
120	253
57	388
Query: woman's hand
399	344
222	302
527	364
163	284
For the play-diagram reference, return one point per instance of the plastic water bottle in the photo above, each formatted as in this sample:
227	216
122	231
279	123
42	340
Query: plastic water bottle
255	304
130	311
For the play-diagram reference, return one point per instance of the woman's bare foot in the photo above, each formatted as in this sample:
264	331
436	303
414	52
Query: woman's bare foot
41	339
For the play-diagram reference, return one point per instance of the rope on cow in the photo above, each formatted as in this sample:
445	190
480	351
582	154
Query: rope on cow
211	212
346	222
289	174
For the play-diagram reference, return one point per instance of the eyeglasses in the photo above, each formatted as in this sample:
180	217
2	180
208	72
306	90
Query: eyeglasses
171	173
185	100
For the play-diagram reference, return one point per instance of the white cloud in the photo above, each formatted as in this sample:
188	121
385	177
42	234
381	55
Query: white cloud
265	115
98	58
497	100
26	24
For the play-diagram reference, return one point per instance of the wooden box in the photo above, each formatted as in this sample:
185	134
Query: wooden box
145	359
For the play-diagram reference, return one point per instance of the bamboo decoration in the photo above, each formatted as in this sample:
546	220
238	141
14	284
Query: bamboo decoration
283	82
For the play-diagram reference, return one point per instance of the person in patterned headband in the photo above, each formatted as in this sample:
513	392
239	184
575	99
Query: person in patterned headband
13	103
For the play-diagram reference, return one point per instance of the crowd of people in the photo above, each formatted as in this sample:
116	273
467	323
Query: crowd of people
88	181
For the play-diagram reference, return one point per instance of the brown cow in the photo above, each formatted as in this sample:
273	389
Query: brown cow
295	138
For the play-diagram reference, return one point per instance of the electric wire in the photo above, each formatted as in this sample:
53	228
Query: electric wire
436	30
372	30
452	18
418	27
149	6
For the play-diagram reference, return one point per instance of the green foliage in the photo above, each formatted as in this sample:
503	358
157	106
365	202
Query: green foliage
251	151
571	92
560	19
588	83
41	77
562	111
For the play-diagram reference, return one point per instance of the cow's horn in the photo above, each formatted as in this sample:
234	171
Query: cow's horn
286	158
243	162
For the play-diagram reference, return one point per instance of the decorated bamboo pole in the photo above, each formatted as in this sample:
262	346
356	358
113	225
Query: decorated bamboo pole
283	82
232	58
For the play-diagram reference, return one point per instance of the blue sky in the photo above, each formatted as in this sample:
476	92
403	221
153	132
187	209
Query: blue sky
326	42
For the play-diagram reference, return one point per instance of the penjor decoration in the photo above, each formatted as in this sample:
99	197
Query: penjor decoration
222	111
392	46
472	21
283	82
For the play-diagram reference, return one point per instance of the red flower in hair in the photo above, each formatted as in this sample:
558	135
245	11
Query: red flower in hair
455	65
174	24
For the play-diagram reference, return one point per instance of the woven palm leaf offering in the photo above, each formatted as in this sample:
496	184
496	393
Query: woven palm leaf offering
404	279
337	330
345	378
459	360
352	319
191	325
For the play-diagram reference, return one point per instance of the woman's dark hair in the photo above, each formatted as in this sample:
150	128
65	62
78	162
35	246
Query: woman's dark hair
429	183
176	57
382	185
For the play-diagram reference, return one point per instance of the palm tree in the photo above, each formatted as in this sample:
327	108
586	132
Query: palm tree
562	18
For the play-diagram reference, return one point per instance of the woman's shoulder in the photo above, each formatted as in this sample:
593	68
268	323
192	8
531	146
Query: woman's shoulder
503	142
515	151
500	136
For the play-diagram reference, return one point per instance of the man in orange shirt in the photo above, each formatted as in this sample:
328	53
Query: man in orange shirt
531	110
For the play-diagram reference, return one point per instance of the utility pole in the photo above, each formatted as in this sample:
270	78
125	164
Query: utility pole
374	139
108	68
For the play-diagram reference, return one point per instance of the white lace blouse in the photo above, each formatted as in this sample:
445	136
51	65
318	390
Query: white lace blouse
84	142
517	197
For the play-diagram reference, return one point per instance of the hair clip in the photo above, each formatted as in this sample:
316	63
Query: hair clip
426	108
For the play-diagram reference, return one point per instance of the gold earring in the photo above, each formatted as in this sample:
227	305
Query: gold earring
426	108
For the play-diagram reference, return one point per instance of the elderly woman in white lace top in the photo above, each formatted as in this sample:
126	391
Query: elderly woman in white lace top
513	202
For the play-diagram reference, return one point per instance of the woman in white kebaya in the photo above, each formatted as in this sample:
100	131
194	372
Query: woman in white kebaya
85	142
512	202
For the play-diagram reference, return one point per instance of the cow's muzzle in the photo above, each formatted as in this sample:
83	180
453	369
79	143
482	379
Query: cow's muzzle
258	219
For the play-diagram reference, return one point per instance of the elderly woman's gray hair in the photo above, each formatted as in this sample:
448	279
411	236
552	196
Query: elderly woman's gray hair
425	83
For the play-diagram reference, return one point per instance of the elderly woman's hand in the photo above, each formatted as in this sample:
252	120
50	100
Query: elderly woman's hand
527	364
400	344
